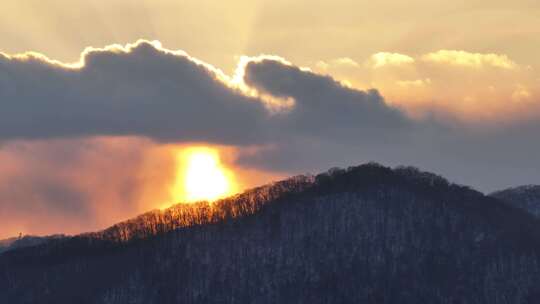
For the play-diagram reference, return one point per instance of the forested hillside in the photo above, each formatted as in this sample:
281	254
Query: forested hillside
524	197
368	234
26	241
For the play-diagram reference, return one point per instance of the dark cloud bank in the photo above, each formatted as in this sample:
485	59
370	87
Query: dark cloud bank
170	97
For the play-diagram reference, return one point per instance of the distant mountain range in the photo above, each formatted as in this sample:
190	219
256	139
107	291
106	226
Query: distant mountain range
366	234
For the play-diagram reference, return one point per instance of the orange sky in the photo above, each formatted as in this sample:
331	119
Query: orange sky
70	186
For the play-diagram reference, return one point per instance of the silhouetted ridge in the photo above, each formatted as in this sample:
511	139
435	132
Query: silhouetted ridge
158	222
251	201
201	213
370	178
366	234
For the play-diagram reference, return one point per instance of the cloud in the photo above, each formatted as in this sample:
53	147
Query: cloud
121	110
382	59
467	59
323	107
337	62
141	89
521	94
414	83
332	124
474	88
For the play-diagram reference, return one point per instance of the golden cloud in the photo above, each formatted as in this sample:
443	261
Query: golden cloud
389	59
492	88
337	62
466	59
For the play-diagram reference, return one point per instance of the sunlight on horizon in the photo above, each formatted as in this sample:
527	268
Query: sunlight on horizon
202	176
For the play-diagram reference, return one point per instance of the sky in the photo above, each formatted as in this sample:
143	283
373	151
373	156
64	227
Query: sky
99	98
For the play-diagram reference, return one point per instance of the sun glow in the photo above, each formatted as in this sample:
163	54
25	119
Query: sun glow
203	176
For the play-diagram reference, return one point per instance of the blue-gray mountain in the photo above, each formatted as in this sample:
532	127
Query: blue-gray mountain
524	197
367	234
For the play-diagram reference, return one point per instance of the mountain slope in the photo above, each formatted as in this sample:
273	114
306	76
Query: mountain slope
26	241
524	197
5	244
368	234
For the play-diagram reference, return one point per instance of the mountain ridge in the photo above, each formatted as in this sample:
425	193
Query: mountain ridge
183	215
367	234
525	197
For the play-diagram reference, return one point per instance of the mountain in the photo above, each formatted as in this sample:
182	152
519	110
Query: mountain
6	243
524	197
367	234
26	241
